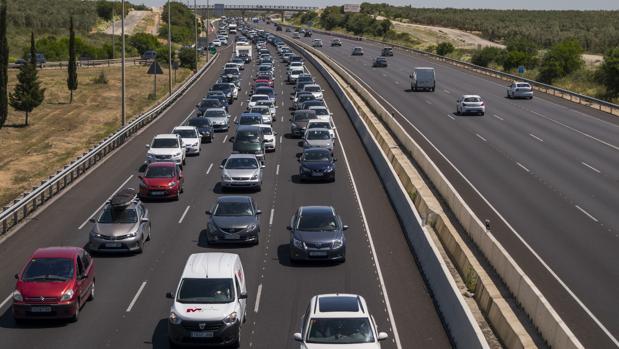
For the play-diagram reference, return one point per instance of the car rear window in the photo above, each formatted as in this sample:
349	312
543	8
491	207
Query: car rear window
523	85
186	133
472	99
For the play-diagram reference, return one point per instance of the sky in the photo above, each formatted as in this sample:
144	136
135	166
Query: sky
498	4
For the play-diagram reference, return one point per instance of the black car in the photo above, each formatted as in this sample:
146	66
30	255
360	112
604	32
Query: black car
233	219
209	103
387	52
220	95
336	42
204	127
287	30
308	33
301	98
317	164
278	28
317	233
380	62
313	103
226	89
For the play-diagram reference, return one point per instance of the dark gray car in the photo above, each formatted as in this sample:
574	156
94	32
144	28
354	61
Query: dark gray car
317	233
233	219
298	122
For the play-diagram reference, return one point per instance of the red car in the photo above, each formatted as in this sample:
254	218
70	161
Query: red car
55	284
267	81
162	180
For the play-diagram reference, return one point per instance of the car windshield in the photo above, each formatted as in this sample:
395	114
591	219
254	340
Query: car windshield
234	208
241	164
215	114
251	119
206	291
310	88
221	87
199	122
318	221
165	143
321	111
264	91
264	68
186	133
48	269
302	116
160	172
247	136
472	99
319	125
340	331
231	71
267	131
316	156
211	103
122	215
259	98
260	110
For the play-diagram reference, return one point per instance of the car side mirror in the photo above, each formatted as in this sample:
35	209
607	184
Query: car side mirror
81	277
382	336
289	227
345	227
263	166
169	295
297	337
221	166
92	220
148	146
258	211
334	160
16	276
208	212
243	295
145	220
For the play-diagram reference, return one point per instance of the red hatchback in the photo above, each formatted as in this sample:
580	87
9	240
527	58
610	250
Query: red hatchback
265	81
162	180
54	284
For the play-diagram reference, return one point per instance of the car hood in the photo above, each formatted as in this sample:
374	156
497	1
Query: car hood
157	182
324	143
233	221
114	229
317	236
316	165
218	120
190	140
339	346
205	312
163	151
246	146
240	172
29	289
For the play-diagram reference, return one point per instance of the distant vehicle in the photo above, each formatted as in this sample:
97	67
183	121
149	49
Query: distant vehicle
380	62
317	233
322	123
344	317
216	43
314	89
218	118
470	104
124	223
278	28
322	112
387	52
287	30
336	42
269	137
357	51
251	102
264	112
191	139
248	140
423	78
234	219
244	51
213	281
209	103
296	35
294	73
317	164
166	147
519	89
40	60
316	43
204	127
54	284
241	171
149	55
299	120
250	118
308	33
318	138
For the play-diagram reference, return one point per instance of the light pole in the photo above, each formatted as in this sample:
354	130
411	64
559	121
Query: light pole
113	27
208	26
169	49
195	26
122	66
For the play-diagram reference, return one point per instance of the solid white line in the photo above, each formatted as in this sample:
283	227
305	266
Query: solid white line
521	165
103	204
536	137
587	213
225	139
480	137
277	170
498	117
271	218
135	298
6	300
184	214
451	117
209	168
591	167
258	294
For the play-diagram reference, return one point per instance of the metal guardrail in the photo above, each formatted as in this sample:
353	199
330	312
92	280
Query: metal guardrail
30	201
85	63
262	7
589	101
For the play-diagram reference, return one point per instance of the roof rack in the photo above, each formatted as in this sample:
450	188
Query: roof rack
123	198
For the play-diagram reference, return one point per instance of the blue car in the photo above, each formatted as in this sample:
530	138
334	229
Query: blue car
317	164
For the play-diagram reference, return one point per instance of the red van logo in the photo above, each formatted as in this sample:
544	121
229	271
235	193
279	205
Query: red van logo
193	310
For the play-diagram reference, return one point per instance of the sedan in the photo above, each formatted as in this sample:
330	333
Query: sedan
54	284
204	127
470	104
318	138
317	233
336	42
357	51
191	139
317	164
162	180
241	171
234	219
520	90
380	62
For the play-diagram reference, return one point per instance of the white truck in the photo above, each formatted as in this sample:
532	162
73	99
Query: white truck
243	50
232	28
423	78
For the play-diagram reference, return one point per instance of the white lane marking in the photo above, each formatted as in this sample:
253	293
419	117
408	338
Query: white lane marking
282	120
184	214
536	137
277	170
523	167
225	139
271	217
480	137
188	116
451	117
209	168
6	300
591	167
587	213
135	298
428	102
372	248
446	91
282	103
498	117
103	204
234	120
242	104
258	294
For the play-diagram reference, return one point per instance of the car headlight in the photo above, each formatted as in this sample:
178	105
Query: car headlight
255	176
171	184
17	296
174	319
230	319
67	295
251	226
177	154
226	177
298	243
338	243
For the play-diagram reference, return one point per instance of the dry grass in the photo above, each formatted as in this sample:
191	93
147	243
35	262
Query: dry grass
59	131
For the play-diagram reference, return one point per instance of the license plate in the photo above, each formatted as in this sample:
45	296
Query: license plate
112	244
317	174
232	236
157	193
41	309
318	254
206	334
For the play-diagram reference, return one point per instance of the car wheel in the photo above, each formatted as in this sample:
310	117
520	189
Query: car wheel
148	237
183	188
482	113
76	316
183	161
92	292
141	245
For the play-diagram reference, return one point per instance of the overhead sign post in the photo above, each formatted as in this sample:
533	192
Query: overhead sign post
155	69
219	9
352	8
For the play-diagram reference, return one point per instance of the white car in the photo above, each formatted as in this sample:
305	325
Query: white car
216	42
470	104
166	147
191	138
218	117
255	98
264	111
223	39
320	123
316	43
314	89
294	73
338	321
519	89
322	113
271	105
269	137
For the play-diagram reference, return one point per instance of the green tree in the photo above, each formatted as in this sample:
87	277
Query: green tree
331	17
562	59
72	67
33	51
608	73
187	58
144	42
28	93
4	64
485	56
444	48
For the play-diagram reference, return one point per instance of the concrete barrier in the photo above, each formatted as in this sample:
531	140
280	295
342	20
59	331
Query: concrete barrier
552	329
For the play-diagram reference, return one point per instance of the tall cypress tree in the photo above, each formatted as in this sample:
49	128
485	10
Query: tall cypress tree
4	64
72	68
33	51
28	93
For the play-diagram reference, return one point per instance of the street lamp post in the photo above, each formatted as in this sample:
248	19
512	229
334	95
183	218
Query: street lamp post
169	49
208	26
113	27
122	66
195	26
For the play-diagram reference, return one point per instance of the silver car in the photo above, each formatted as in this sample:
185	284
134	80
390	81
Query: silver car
318	138
218	117
519	89
470	104
122	226
241	171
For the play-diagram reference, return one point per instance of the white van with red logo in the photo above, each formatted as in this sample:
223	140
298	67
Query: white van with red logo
210	301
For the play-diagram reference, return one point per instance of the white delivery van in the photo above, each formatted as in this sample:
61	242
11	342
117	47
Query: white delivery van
243	50
423	78
210	301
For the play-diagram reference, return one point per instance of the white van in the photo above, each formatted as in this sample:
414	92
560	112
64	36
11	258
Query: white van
210	301
423	78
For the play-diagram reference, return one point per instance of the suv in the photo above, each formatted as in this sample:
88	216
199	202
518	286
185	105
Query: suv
166	147
210	301
123	225
357	51
519	89
317	233
339	320
241	171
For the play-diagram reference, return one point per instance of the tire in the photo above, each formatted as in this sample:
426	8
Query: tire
75	317
184	161
148	237
141	245
482	113
91	297
182	188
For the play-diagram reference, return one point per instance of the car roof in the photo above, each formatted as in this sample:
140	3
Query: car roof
467	96
166	136
338	306
242	156
180	128
56	252
210	265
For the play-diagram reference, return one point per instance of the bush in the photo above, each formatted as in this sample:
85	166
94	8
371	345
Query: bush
187	58
562	59
144	42
444	48
608	73
100	79
485	56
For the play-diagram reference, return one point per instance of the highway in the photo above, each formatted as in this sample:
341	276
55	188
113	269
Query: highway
544	171
130	309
